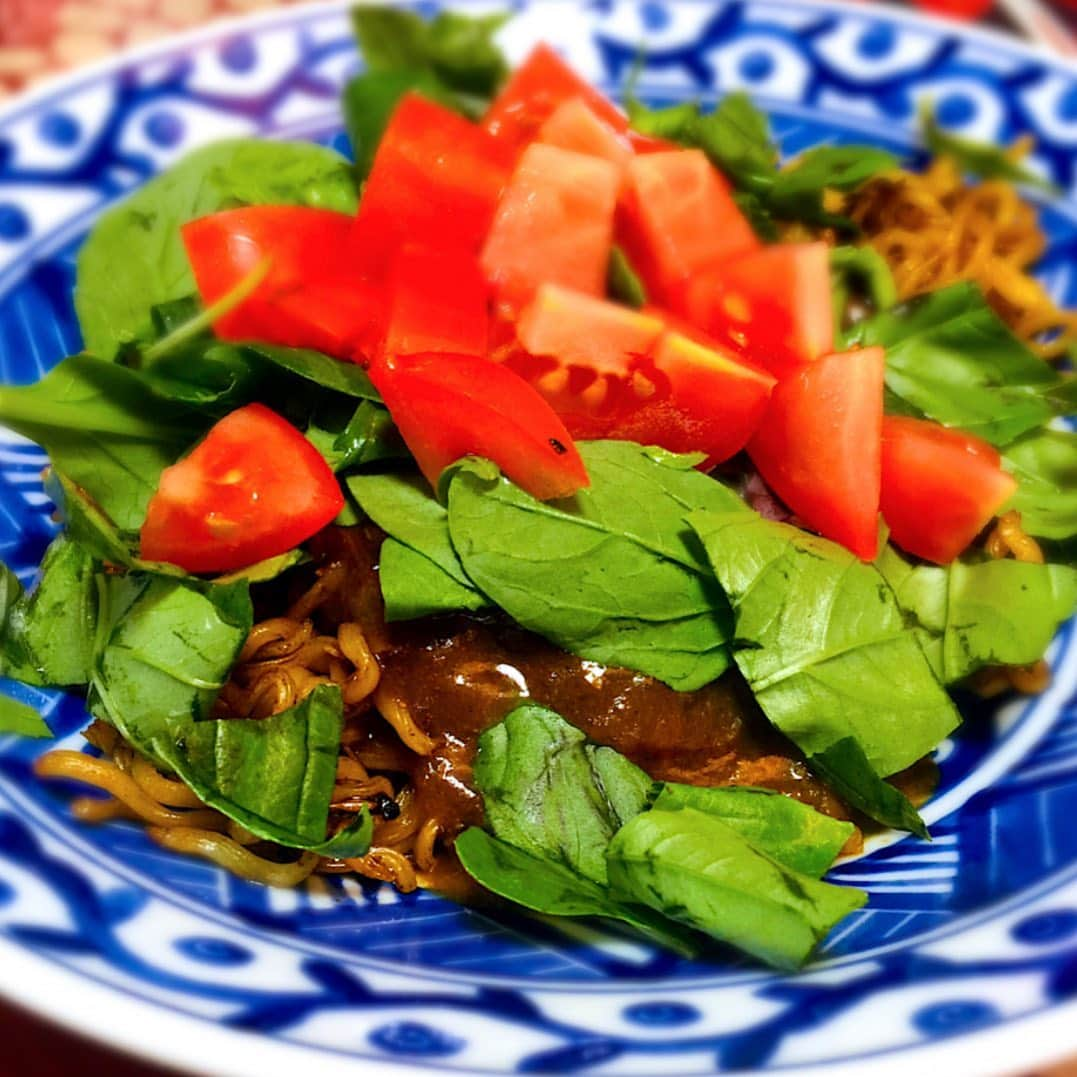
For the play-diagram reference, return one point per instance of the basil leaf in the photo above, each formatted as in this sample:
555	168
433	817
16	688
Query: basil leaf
823	643
788	831
164	650
48	638
622	282
554	795
419	573
698	869
951	358
990	613
274	776
613	574
550	888
1045	466
21	720
134	258
105	429
975	158
847	770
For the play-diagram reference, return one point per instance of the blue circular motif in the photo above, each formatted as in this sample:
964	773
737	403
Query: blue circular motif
756	66
213	951
955	110
876	41
412	1038
164	128
960	1015
1057	925
14	224
59	129
662	1014
125	907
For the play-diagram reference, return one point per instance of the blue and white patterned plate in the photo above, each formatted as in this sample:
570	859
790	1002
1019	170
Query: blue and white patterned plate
966	955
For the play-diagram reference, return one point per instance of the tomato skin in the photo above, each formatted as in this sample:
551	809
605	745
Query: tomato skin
534	90
438	302
940	487
253	488
447	407
436	178
677	217
554	224
818	446
574	126
772	305
310	297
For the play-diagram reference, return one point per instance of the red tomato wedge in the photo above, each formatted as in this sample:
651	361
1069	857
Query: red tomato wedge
310	297
253	488
818	446
447	407
541	83
437	303
677	217
554	224
940	487
773	305
691	398
436	178
573	125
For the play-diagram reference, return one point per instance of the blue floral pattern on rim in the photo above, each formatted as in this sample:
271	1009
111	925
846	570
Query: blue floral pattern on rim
362	972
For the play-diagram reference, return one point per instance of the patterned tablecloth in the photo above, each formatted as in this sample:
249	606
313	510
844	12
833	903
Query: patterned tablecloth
43	37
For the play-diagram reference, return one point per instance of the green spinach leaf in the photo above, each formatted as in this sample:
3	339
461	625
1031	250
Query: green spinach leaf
21	720
622	282
323	370
823	643
551	793
860	278
788	831
134	258
418	526
988	613
352	436
613	574
49	635
1045	466
104	429
698	869
949	357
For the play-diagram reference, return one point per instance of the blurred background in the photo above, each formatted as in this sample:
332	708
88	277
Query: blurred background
42	37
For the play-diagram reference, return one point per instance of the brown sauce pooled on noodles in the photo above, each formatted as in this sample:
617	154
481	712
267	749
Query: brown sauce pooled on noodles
458	676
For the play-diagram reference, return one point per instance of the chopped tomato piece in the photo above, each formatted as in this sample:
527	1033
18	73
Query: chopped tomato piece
448	407
940	487
437	303
772	304
554	224
253	488
541	83
818	446
677	217
691	398
436	178
574	126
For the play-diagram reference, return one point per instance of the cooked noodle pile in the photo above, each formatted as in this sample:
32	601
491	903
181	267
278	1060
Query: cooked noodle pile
935	229
932	228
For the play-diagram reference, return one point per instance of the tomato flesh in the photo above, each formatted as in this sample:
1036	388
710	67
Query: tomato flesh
310	297
437	303
435	177
554	224
773	305
818	446
677	217
573	125
940	487
253	488
535	89
447	407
